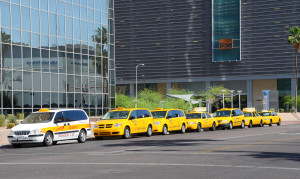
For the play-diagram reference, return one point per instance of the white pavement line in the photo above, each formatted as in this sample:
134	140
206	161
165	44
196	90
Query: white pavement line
158	164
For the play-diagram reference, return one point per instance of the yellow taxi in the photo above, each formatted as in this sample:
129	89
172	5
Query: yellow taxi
124	122
270	118
199	119
168	120
252	118
229	118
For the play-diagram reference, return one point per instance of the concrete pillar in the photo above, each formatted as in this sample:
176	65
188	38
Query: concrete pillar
249	94
131	90
169	86
293	86
207	84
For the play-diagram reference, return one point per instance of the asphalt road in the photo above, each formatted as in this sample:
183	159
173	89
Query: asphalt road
268	152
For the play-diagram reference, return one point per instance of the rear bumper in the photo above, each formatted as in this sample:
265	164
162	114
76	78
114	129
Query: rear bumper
108	132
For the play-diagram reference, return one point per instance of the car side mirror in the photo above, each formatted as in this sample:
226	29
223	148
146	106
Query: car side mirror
232	115
168	117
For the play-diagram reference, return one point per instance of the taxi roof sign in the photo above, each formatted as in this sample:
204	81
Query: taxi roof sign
199	109
120	108
249	109
44	110
158	108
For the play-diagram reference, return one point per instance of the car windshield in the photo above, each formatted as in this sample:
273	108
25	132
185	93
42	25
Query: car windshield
38	118
247	114
222	114
116	115
265	113
159	114
193	116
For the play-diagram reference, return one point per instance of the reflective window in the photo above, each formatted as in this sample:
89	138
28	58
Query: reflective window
17	96
83	13
52	6
61	26
62	100
45	100
53	61
35	22
27	98
17	60
44	22
27	76
15	19
25	18
52	21
6	35
104	5
70	100
34	3
68	9
97	4
90	14
76	11
7	103
5	13
90	3
44	41
76	29
54	100
37	81
97	16
16	37
44	5
26	38
69	29
27	58
84	30
60	7
36	58
70	83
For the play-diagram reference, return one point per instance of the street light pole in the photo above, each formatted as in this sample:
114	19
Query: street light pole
231	91
136	88
223	98
240	91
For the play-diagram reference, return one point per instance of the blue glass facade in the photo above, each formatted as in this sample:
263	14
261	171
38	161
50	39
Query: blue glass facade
226	25
57	54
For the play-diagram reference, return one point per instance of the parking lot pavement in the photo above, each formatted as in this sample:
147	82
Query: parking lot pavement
259	152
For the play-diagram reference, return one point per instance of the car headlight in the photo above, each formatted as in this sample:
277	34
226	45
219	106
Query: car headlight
225	121
118	125
157	123
36	131
11	132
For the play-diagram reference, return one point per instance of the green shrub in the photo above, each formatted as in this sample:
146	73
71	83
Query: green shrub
10	116
11	119
293	110
2	120
10	125
272	109
20	116
281	110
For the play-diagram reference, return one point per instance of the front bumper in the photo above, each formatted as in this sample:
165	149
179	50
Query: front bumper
157	128
191	126
108	132
223	125
266	121
22	139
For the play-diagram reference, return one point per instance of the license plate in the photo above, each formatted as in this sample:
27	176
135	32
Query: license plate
22	137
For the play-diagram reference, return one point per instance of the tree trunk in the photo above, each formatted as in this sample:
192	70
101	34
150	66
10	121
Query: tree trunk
296	66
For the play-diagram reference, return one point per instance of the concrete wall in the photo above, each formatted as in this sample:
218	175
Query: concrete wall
258	86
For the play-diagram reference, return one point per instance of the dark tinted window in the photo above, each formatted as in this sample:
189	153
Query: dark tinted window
59	117
140	113
181	114
193	116
74	115
208	115
237	112
203	116
146	113
133	114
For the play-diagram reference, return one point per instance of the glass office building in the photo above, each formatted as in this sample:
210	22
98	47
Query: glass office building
57	54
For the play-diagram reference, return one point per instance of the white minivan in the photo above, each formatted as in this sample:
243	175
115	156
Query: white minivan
49	126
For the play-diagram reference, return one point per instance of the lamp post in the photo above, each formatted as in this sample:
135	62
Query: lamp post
223	98
240	91
231	93
136	92
162	104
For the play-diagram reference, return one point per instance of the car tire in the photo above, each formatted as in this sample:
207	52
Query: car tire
126	133
48	139
17	145
250	124
98	138
279	123
81	136
230	126
198	127
270	123
261	124
182	129
149	131
165	130
243	125
213	127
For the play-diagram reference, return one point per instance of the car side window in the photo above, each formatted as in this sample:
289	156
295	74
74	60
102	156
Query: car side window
133	115
140	114
70	116
233	113
146	113
274	114
59	117
181	114
208	116
203	116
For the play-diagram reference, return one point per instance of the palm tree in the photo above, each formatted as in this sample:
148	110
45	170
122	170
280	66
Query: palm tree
5	38
294	39
100	37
